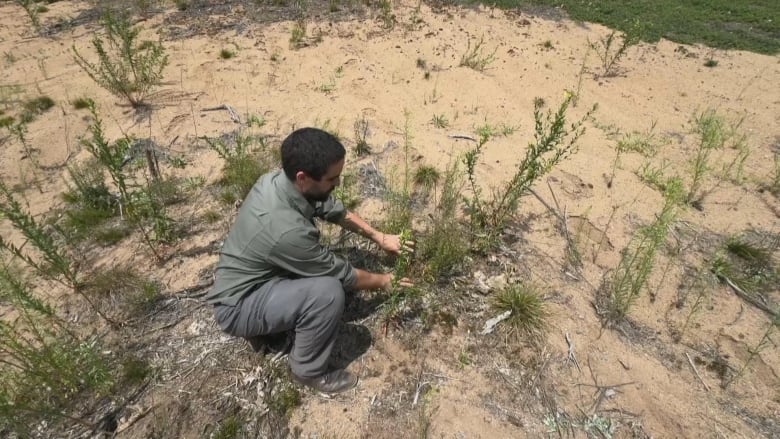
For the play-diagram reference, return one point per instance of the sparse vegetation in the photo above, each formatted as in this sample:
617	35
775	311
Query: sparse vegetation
613	47
623	286
476	57
245	162
81	103
445	244
361	137
440	121
386	13
763	343
298	34
125	67
226	54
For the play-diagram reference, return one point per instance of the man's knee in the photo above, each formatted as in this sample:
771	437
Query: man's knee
328	292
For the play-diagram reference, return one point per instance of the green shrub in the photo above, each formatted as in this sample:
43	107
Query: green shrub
125	67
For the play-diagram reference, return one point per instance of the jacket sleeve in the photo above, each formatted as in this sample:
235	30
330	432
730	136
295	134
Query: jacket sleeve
299	252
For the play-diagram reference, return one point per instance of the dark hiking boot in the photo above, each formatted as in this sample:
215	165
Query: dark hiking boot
335	381
279	343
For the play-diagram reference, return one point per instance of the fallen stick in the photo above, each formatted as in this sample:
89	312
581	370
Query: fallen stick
706	387
747	298
233	115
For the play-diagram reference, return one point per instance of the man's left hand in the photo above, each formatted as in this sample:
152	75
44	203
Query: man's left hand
392	243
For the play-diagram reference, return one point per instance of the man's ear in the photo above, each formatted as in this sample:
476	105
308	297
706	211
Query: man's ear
300	177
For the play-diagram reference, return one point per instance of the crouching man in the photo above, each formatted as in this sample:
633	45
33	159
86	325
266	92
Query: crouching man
274	276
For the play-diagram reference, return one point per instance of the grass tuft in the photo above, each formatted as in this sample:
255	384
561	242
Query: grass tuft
528	312
226	54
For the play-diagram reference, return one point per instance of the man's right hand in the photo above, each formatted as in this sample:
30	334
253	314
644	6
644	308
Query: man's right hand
403	282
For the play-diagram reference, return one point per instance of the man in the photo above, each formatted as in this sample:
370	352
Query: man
274	276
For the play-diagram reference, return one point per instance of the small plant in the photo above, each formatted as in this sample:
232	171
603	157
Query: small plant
211	216
445	245
764	342
35	107
700	286
611	48
547	45
714	133
298	34
121	291
347	192
226	54
361	130
774	181
386	13
81	103
528	312
125	67
244	164
393	306
475	57
426	176
32	8
399	209
643	143
440	121
748	262
422	64
654	176
182	5
623	286
710	63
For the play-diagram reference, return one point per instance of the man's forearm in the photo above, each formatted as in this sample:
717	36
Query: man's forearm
371	281
356	224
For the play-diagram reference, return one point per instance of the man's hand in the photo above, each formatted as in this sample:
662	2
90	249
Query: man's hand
376	281
389	243
403	282
392	243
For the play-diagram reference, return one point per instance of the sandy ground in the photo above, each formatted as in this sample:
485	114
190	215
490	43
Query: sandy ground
360	69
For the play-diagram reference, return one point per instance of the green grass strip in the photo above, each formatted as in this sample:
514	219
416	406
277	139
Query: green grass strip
752	25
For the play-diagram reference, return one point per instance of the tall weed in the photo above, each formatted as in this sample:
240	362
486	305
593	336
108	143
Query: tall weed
553	142
623	286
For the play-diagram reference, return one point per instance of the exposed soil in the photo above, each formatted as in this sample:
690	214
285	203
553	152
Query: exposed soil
448	380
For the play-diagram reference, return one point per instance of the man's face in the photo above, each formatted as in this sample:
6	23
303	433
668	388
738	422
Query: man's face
314	190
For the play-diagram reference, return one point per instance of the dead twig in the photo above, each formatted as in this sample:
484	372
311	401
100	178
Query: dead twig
572	357
695	371
233	115
747	297
461	137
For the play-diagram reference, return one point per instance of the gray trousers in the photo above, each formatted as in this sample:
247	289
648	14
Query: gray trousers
311	306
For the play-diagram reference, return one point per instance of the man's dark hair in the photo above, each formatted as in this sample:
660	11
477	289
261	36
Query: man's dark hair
311	151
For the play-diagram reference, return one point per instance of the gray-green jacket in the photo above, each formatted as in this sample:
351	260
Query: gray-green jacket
275	237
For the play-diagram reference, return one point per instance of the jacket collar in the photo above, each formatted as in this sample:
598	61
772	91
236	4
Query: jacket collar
293	195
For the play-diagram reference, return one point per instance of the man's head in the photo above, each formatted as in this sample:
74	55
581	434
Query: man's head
313	159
